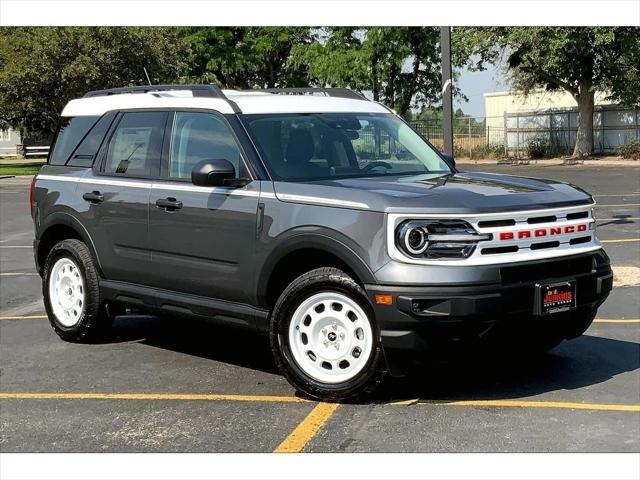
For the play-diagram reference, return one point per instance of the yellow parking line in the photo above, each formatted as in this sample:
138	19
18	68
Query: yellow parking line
634	194
621	205
307	429
16	274
615	219
623	240
616	320
149	396
26	317
536	404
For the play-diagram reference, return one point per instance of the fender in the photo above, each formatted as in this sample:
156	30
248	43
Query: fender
67	219
320	239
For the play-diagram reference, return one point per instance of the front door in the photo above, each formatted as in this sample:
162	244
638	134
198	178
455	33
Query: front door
202	238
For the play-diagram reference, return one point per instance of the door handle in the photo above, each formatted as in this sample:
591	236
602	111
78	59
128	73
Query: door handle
93	197
169	204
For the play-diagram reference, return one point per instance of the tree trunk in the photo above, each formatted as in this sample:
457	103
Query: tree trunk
584	136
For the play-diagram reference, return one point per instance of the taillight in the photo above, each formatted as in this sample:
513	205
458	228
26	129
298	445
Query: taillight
32	188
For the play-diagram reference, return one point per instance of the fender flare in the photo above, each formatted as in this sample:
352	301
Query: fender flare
296	241
68	220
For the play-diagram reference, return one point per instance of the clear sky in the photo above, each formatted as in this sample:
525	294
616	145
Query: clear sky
474	85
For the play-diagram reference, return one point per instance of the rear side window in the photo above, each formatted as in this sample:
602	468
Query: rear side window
85	154
136	145
71	131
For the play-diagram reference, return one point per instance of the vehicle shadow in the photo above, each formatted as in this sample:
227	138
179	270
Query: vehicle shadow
575	364
196	337
620	219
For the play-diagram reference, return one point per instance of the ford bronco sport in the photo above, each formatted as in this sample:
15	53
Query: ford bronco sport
312	215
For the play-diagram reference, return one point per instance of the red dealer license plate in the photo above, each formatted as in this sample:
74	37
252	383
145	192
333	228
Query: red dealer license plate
555	298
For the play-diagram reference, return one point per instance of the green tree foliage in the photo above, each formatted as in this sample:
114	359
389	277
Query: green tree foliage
246	57
579	60
42	68
399	65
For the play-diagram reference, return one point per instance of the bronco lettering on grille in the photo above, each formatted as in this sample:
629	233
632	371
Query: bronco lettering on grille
543	232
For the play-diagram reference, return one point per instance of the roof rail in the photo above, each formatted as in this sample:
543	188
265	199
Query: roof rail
329	92
197	90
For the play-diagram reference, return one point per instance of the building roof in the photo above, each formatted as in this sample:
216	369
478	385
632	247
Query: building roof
247	101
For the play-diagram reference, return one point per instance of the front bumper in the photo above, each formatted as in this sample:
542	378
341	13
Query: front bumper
430	318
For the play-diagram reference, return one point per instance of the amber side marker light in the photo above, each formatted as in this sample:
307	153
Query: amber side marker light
383	299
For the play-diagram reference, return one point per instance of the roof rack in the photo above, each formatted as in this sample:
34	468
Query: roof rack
329	92
197	90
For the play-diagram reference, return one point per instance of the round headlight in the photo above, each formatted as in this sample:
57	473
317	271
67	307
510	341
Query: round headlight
414	239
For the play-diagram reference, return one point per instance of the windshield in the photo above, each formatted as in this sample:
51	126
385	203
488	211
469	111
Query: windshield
298	147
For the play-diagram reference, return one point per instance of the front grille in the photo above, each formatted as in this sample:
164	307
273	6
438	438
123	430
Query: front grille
527	272
513	236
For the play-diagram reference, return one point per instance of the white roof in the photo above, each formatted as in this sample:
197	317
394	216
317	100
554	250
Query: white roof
249	102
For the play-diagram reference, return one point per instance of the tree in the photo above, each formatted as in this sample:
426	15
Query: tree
41	69
246	57
579	60
399	65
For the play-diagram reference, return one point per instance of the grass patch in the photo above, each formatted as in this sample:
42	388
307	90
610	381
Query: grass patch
20	169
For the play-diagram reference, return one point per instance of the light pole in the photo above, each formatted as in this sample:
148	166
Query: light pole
447	97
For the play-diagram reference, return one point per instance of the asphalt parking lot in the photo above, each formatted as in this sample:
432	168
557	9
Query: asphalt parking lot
167	385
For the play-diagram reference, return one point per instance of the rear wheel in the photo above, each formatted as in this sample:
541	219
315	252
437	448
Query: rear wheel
72	294
323	336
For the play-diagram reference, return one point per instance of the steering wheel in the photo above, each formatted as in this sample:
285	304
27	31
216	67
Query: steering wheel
377	164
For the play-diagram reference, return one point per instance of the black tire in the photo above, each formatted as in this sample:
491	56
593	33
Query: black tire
323	280
95	321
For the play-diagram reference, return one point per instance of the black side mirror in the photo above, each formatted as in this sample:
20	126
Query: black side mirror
449	158
214	173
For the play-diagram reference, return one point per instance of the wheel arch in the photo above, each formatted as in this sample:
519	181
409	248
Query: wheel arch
60	226
301	253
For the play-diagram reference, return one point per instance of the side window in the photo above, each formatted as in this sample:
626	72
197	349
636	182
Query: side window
136	145
70	132
198	136
85	154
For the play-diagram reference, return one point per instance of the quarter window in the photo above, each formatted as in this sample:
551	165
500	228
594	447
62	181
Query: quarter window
136	145
201	136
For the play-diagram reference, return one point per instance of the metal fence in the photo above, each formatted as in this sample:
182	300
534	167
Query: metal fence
613	126
471	138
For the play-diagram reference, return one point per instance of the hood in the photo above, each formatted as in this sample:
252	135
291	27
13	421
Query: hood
462	192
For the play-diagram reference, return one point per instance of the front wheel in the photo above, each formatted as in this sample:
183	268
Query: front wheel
324	338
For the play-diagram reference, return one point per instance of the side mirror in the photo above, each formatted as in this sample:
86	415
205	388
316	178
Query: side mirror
213	173
449	158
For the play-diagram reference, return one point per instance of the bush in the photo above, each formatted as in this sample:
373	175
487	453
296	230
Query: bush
630	150
488	151
537	148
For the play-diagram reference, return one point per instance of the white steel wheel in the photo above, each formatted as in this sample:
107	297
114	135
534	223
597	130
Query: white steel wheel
330	337
66	292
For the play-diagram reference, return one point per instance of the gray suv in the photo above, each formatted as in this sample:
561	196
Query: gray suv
313	216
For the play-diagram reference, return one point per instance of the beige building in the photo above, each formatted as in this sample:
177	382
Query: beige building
514	120
498	103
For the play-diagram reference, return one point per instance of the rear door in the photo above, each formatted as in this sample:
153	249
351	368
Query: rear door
116	194
204	244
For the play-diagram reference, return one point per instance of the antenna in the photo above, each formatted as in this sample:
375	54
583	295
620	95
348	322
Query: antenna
147	75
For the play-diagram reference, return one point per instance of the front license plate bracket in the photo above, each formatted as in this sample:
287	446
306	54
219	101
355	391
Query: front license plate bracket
554	298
